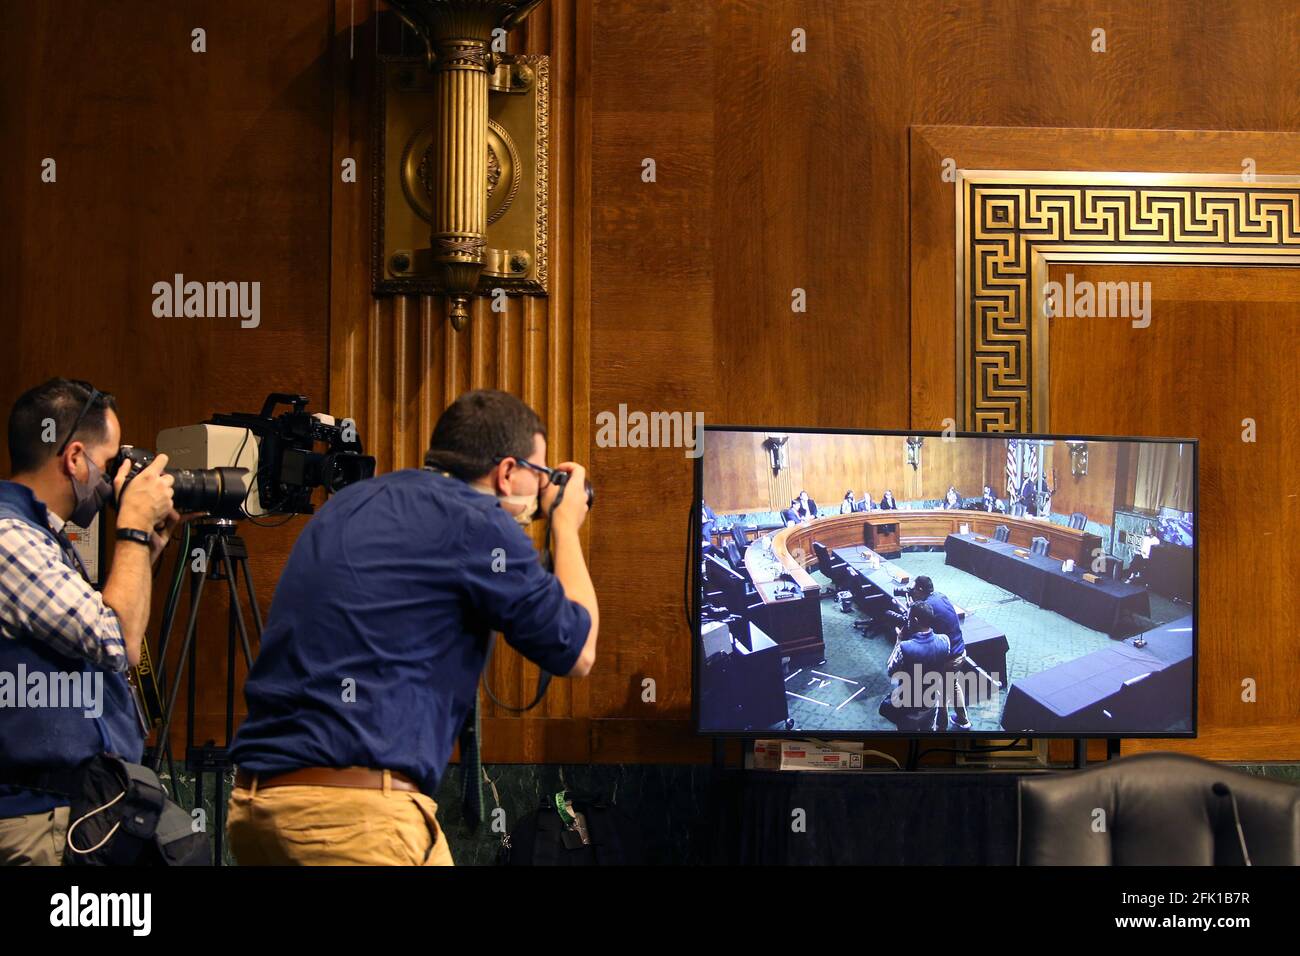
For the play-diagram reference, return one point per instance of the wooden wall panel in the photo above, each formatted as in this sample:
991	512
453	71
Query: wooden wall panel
1249	515
1093	493
796	170
775	171
1189	368
213	165
737	474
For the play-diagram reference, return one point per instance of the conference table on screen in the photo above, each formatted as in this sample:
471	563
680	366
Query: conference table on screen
1101	605
1118	689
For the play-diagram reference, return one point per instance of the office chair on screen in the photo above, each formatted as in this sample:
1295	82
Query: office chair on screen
1078	521
1039	546
733	556
1113	566
738	536
1160	810
1003	534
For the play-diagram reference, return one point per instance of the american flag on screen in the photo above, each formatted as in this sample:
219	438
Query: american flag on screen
1031	462
1013	469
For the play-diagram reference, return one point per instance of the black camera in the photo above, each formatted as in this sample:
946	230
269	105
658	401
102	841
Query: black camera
903	592
291	462
560	479
217	491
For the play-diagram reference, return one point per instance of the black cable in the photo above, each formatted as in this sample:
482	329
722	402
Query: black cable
973	749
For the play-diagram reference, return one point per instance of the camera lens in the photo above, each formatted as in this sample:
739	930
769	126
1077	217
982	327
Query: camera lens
218	491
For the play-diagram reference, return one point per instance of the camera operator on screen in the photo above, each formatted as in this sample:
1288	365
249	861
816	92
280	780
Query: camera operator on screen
63	438
378	634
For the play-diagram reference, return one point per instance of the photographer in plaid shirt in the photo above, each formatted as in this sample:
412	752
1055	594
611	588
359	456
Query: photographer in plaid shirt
53	624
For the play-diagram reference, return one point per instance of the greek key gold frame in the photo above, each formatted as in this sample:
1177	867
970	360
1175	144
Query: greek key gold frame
1012	225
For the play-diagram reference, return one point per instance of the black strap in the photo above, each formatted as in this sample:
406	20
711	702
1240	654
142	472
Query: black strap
543	681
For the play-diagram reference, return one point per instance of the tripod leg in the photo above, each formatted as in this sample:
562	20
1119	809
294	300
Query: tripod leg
252	599
168	619
235	610
173	689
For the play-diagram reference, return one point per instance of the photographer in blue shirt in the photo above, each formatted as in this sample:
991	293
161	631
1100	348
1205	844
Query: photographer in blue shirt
947	622
379	631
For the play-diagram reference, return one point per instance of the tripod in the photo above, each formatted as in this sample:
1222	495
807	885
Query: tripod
223	552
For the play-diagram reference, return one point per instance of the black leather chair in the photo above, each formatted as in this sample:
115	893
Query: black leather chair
829	565
1039	546
1003	533
1113	567
1157	809
1078	521
738	536
734	557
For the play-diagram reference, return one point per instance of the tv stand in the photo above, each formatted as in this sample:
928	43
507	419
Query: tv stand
1081	751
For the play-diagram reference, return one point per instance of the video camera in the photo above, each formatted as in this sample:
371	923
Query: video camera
290	468
240	465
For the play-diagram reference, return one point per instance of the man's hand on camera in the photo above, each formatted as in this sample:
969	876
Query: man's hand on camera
572	510
146	500
162	533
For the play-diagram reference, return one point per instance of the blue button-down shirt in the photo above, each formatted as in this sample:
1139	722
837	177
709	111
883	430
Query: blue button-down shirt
378	632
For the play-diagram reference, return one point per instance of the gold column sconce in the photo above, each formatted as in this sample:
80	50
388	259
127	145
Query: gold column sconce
461	175
778	457
914	443
1078	458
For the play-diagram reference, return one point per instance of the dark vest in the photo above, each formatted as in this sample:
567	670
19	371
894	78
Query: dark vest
48	737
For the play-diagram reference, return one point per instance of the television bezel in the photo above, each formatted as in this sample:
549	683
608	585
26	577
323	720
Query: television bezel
868	733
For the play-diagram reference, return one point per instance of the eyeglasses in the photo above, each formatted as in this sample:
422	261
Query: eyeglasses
546	473
81	416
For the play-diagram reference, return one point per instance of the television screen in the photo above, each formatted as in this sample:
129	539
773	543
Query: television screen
857	583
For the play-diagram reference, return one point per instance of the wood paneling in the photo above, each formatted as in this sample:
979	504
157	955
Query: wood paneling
1112	373
212	165
1093	493
1214	334
775	171
737	474
780	170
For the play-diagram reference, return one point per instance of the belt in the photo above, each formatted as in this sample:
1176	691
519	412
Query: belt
61	782
360	778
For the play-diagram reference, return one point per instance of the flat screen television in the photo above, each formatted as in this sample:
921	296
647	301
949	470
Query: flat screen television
925	584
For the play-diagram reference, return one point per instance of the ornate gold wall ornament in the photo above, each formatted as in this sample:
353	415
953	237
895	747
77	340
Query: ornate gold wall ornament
1012	225
445	171
1078	458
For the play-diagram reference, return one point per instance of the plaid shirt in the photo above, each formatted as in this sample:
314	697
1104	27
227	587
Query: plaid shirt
43	598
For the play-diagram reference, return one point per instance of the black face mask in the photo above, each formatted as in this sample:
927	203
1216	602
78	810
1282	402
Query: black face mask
91	496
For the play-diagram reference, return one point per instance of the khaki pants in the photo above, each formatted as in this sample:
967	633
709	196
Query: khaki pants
334	826
34	840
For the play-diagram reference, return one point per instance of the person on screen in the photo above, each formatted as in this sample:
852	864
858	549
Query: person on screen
866	504
990	501
1142	555
1029	496
848	505
951	500
909	704
947	623
887	502
708	521
804	507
